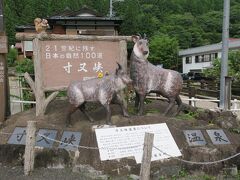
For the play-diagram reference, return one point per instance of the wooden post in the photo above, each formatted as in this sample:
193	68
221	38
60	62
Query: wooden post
191	93
39	92
41	100
3	69
228	93
29	148
123	61
147	155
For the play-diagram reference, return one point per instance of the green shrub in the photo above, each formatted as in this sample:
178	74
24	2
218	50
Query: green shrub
25	65
12	57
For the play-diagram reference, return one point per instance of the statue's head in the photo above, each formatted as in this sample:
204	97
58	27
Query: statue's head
140	48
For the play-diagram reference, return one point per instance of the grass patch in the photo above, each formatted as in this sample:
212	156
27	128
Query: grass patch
187	116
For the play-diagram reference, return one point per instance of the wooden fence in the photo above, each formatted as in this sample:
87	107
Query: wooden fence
206	89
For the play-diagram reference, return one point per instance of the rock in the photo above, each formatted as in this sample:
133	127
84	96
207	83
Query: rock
169	170
232	171
134	177
115	119
154	114
51	158
90	172
11	153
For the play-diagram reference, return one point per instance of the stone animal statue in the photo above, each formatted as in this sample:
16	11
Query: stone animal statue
104	90
148	78
41	25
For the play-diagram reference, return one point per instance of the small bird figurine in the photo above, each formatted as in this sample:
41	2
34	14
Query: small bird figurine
41	25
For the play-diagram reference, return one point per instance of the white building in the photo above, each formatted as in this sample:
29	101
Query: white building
198	58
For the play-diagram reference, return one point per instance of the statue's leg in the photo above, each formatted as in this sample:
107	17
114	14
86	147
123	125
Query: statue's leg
118	99
170	106
83	109
107	107
71	109
141	107
179	103
136	100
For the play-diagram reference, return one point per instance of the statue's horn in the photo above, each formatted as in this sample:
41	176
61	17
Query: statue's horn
140	36
144	36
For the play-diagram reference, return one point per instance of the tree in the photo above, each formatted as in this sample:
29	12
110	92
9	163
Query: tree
164	50
233	67
131	13
10	21
211	23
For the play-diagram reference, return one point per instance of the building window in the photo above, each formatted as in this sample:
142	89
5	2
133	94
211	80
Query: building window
207	58
189	60
213	56
196	59
199	59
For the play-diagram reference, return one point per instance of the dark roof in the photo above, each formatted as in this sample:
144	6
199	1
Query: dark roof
82	14
21	28
68	13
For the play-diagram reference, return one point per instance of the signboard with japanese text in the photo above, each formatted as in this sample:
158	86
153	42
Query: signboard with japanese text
45	138
2	72
3	88
195	138
70	140
18	136
120	142
218	136
66	61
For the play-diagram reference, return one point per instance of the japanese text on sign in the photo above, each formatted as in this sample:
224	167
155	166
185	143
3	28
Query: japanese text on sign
218	136
18	136
1	72
195	137
70	140
120	142
76	60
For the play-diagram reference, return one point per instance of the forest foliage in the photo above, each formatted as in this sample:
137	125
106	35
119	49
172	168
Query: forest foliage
180	24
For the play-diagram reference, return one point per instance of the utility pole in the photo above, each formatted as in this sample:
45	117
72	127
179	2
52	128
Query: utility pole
111	8
3	69
224	60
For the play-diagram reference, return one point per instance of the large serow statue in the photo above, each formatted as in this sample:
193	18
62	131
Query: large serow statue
148	78
104	90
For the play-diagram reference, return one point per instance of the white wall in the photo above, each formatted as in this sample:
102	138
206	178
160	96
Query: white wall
196	66
28	45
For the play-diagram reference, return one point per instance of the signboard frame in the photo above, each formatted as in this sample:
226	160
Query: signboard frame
38	86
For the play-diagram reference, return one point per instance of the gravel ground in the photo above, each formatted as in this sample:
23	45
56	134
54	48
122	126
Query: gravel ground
16	173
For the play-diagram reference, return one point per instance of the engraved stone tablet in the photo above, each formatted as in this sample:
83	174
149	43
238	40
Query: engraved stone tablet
217	136
70	140
18	136
46	140
194	138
